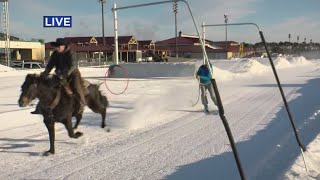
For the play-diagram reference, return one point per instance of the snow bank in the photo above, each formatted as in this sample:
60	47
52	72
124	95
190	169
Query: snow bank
222	75
288	62
300	61
5	68
312	158
282	62
255	67
243	68
223	70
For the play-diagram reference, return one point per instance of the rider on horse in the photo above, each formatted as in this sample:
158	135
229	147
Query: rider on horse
67	70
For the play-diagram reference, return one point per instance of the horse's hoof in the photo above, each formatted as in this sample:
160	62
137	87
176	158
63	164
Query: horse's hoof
103	126
35	112
48	153
78	134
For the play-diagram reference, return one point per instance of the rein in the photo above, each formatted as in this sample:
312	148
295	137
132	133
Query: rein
56	100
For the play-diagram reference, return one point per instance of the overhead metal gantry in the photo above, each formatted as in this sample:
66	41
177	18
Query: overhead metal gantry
205	60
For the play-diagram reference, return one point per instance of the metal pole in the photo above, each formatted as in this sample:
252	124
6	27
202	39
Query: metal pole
298	39
289	38
304	160
204	39
176	28
6	30
103	37
175	11
227	128
227	40
102	15
198	33
8	34
226	21
282	93
227	36
116	51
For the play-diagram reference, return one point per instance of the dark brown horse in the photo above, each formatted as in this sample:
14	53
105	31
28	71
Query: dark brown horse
57	106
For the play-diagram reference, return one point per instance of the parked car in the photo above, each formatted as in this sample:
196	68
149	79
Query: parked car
16	64
27	65
32	65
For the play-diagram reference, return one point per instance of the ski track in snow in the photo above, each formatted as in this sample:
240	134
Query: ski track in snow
161	150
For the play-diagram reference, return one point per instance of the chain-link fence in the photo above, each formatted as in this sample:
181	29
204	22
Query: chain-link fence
95	62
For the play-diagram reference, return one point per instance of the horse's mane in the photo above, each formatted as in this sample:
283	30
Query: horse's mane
52	81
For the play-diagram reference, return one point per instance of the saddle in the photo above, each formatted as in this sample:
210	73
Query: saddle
86	84
65	86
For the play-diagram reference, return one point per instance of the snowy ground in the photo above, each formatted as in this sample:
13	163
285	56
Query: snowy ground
156	134
5	68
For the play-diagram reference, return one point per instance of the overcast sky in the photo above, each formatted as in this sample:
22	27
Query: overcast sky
277	19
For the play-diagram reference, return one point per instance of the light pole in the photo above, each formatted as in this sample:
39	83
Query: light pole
298	38
175	11
289	38
6	31
204	40
102	15
289	42
226	21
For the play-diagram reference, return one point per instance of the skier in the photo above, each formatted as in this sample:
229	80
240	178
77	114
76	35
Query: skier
204	76
67	70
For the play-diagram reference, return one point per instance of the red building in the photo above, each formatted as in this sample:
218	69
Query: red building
189	47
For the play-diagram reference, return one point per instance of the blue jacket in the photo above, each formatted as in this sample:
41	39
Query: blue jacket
205	75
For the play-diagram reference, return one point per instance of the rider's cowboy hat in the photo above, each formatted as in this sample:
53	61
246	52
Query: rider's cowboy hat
59	42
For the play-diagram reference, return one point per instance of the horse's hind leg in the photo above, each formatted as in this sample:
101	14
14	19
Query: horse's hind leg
103	115
68	124
100	109
78	117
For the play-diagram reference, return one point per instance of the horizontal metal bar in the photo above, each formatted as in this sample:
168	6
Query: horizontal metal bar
232	24
142	5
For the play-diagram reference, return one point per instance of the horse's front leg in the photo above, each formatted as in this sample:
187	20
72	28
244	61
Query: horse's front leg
68	124
78	117
50	126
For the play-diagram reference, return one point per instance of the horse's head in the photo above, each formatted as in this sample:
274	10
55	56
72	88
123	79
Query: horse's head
29	90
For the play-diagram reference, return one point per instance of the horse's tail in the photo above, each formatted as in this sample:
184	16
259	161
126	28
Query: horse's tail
102	98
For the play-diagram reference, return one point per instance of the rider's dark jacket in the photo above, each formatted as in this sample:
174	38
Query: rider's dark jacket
64	62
